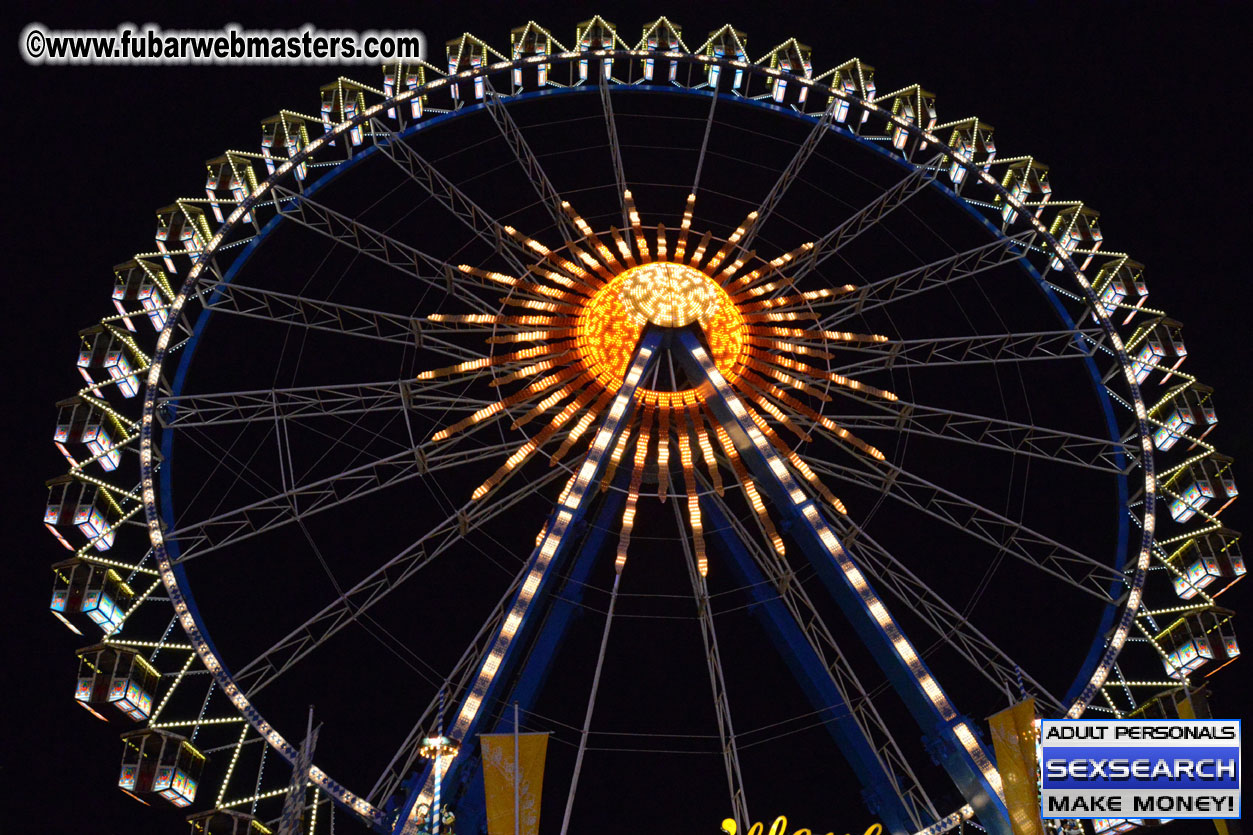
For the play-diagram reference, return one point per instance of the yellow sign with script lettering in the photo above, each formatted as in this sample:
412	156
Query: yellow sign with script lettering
779	827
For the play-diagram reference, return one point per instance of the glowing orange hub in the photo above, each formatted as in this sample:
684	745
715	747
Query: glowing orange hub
666	294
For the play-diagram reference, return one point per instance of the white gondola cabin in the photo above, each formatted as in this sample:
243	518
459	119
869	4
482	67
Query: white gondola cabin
399	77
1211	561
591	36
1119	286
84	593
1196	640
661	36
726	43
534	43
1156	346
145	284
1189	414
82	424
158	763
103	350
1191	489
1027	182
115	679
75	505
182	229
285	134
791	60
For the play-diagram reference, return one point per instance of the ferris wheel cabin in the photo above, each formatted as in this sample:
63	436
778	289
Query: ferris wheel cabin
161	764
84	593
112	678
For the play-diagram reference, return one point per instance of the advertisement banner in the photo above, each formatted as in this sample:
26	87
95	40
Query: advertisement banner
1141	769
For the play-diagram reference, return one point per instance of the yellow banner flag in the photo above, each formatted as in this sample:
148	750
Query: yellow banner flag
1013	738
498	781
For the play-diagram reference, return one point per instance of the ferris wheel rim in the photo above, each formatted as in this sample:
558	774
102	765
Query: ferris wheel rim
339	130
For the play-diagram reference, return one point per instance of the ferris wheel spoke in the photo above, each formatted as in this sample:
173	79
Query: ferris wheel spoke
223	408
302	501
314	314
867	217
530	164
989	349
382	247
790	172
941	273
999	434
949	625
717	680
452	198
356	601
787	609
615	150
1043	552
704	143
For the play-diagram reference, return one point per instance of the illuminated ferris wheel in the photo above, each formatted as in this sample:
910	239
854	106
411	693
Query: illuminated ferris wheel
695	410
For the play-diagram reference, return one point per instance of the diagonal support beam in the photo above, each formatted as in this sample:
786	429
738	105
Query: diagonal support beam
314	314
452	198
941	273
1038	550
225	408
1058	446
950	626
717	681
615	149
866	217
310	498
704	143
793	169
549	197
437	274
985	349
356	601
562	611
950	737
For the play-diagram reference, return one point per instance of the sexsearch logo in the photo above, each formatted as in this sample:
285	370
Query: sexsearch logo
1140	769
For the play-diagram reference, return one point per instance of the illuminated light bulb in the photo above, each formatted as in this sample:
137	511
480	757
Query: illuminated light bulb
668	294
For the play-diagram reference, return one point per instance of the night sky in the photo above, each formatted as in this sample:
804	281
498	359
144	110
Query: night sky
1138	108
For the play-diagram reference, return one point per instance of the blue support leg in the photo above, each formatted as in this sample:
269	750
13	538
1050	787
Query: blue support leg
950	738
813	677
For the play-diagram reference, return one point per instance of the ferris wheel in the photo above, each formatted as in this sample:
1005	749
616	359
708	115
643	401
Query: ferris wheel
752	432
